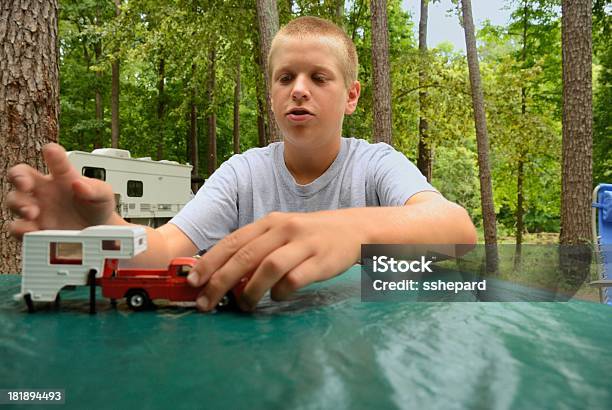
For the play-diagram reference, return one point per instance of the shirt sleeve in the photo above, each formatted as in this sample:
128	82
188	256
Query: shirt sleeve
213	212
396	178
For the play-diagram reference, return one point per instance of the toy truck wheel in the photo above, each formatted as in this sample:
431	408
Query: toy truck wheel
138	299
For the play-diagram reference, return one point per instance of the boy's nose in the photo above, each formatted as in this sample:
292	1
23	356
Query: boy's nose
300	90
299	95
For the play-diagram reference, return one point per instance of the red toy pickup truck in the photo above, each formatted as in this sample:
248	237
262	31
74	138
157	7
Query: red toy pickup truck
140	286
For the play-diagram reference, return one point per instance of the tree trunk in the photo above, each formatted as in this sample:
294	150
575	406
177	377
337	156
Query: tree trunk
99	104
84	104
520	212
261	109
161	101
424	160
193	129
115	92
237	111
99	141
354	22
380	67
338	12
482	139
212	117
577	163
99	108
261	123
267	18
29	99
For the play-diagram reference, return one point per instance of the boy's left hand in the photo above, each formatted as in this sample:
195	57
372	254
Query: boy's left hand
282	252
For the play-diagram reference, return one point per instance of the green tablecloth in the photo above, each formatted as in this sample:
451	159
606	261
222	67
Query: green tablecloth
326	349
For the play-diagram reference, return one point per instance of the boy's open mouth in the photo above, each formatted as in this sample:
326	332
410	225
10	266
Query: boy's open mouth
299	114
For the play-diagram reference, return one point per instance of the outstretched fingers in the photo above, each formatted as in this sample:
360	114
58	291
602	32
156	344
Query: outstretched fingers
57	162
24	178
20	227
22	204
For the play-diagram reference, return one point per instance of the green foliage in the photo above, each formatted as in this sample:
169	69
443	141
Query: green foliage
522	77
82	73
456	175
182	33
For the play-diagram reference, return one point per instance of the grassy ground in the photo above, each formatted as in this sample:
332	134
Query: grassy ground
585	292
540	238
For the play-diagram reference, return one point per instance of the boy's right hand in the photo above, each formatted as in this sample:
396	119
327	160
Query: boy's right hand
63	199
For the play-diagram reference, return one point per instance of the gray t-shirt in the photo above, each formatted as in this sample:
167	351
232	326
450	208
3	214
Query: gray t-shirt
249	186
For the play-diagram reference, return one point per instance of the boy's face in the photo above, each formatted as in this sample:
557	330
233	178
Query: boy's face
308	91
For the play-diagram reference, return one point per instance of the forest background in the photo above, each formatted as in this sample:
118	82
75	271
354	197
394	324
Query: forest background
190	89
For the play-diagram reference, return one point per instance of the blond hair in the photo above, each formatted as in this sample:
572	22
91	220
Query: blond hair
308	26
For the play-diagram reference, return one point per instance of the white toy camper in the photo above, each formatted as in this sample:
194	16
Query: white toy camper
146	192
54	259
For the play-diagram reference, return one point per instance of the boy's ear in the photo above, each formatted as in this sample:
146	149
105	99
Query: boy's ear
353	97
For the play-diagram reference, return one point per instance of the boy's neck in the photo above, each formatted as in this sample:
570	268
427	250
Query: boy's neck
307	165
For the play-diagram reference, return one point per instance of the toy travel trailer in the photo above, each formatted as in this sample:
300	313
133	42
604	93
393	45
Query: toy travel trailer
54	259
146	192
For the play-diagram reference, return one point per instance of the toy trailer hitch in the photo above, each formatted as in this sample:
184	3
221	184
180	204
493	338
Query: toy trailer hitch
91	281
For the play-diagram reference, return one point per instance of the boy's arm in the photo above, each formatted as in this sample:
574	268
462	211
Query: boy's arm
287	251
426	218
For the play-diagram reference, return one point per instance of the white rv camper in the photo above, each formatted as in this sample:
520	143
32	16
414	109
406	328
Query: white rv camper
147	192
54	259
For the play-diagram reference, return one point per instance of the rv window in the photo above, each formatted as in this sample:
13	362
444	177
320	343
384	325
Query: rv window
134	188
65	253
111	245
97	173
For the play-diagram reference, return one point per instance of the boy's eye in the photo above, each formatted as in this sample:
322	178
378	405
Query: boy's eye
285	78
319	78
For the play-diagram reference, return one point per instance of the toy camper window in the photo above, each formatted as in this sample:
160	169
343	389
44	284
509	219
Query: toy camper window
92	172
134	188
111	245
65	253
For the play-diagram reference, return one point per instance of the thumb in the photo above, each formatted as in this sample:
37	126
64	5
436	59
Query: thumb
92	190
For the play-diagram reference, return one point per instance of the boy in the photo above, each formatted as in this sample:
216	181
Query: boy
285	215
